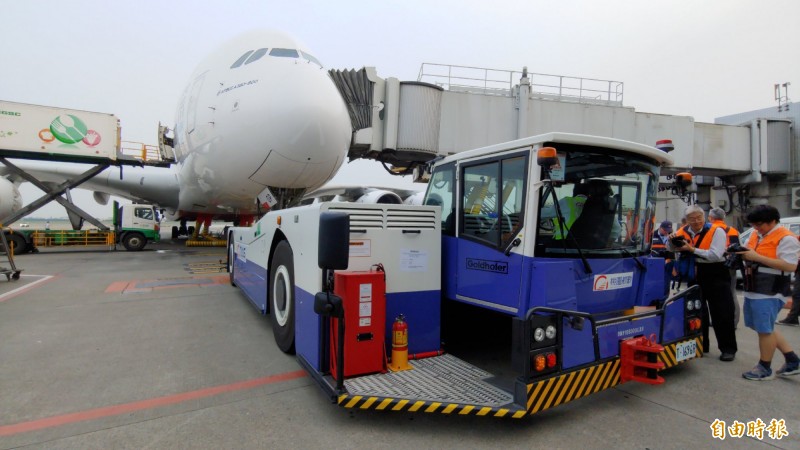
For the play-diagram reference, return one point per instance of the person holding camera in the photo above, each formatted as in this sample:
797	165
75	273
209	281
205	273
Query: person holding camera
704	244
771	256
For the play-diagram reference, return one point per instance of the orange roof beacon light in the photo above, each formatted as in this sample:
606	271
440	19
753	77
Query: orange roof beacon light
683	179
547	157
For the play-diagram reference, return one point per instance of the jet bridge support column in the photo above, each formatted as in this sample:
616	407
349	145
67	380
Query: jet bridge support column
55	193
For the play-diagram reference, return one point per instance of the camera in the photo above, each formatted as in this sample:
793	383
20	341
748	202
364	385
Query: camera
736	248
678	241
732	259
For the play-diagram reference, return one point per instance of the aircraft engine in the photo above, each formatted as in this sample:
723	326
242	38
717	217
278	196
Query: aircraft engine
382	197
10	198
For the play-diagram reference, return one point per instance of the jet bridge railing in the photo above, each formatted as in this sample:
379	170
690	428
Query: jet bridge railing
501	82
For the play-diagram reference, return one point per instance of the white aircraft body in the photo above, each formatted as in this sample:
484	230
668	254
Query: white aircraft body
260	112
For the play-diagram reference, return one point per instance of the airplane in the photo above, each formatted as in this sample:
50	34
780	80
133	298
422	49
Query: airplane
259	121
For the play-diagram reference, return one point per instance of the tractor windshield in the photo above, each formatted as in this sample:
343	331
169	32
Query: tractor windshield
599	200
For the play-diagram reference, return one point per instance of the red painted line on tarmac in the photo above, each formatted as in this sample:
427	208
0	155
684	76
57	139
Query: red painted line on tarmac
117	286
125	408
133	286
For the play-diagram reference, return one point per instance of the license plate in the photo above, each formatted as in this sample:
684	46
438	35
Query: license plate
685	350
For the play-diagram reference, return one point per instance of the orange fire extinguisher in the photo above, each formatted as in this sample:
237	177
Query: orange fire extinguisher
399	345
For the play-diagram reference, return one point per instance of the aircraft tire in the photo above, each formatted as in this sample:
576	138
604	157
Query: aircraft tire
281	297
175	232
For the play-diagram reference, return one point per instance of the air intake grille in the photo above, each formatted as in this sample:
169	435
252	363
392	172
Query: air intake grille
389	218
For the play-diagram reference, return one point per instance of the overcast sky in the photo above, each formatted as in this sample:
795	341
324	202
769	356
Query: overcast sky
699	58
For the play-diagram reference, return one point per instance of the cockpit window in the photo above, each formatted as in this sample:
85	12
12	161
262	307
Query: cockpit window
311	58
284	52
256	55
241	59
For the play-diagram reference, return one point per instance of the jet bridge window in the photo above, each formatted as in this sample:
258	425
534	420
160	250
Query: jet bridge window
284	53
256	55
241	59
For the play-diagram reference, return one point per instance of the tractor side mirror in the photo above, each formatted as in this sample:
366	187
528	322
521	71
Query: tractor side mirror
334	240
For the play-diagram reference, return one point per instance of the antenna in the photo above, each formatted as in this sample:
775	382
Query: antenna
782	96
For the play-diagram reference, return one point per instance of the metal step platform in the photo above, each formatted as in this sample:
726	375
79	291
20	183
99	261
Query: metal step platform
445	379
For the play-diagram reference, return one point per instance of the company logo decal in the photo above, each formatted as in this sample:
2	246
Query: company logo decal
611	281
69	129
487	266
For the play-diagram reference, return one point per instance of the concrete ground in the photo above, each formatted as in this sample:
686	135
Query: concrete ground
155	349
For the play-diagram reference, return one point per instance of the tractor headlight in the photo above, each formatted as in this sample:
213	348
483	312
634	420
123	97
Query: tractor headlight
697	305
690	305
538	335
550	332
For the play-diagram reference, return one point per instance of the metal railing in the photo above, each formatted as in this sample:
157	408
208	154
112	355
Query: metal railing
501	82
62	238
141	151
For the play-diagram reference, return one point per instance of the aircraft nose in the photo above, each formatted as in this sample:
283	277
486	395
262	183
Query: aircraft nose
314	132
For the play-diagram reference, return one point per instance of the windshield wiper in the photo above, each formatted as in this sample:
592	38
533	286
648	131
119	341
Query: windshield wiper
561	223
628	253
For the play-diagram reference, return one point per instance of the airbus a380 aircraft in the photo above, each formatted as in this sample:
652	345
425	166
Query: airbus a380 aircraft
258	113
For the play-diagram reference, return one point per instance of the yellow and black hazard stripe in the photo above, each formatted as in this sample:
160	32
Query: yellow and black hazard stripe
401	405
668	355
542	395
570	386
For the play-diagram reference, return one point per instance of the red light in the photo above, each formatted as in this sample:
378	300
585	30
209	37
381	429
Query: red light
551	360
539	363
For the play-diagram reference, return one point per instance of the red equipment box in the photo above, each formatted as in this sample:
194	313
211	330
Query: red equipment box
364	297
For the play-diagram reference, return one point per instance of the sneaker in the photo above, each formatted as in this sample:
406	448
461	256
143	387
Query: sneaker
759	373
789	322
788	369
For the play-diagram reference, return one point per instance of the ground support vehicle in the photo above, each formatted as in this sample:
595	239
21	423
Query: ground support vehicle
503	318
134	226
11	272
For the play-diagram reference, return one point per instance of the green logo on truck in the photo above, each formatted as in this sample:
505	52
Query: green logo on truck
68	129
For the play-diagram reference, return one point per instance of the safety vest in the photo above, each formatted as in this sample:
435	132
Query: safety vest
731	233
704	237
768	245
574	209
768	283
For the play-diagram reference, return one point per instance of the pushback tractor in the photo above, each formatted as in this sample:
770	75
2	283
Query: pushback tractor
524	282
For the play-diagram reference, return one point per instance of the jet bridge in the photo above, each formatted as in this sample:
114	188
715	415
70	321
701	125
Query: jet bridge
449	109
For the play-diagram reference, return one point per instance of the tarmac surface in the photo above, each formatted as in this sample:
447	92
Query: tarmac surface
155	349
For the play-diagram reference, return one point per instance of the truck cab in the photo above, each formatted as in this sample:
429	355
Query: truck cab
506	232
561	247
136	224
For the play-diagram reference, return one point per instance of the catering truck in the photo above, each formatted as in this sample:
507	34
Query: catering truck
50	133
488	299
134	226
